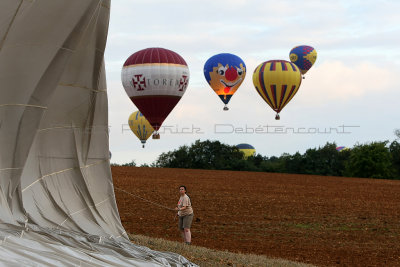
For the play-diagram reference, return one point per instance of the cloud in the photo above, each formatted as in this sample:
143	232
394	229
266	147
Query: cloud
338	81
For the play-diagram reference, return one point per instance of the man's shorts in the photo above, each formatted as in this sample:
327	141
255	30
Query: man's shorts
185	221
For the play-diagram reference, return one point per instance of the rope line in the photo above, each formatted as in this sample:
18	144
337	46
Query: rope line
129	193
8	169
82	87
22	105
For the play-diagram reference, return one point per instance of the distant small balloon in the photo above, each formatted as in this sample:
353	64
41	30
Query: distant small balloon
304	57
248	150
341	148
140	126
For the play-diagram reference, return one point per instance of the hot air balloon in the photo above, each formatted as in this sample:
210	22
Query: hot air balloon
155	79
277	81
225	73
140	126
304	57
341	148
248	150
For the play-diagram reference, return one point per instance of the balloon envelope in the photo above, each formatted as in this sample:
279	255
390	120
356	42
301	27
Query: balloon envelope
340	148
155	79
304	57
140	126
225	73
277	81
248	150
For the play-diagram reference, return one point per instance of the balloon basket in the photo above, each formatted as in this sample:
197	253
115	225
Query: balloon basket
226	108
143	146
156	136
277	117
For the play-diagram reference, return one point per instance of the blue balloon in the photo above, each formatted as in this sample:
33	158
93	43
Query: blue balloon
225	73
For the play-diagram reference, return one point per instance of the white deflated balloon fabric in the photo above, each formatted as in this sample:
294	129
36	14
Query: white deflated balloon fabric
57	203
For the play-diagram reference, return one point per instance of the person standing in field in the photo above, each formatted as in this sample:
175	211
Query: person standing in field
185	214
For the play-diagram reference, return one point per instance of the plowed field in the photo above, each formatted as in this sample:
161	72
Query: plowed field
327	221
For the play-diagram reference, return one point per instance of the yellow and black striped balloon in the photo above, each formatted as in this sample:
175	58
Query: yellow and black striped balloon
277	81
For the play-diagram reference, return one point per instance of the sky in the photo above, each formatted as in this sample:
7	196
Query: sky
349	96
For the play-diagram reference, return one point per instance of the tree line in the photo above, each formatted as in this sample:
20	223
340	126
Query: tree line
370	160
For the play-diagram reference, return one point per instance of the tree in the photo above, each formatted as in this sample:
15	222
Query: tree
394	149
372	160
257	159
273	164
397	133
174	159
323	161
130	164
294	163
205	155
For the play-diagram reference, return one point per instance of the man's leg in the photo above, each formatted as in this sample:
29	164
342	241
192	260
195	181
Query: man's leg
188	235
183	235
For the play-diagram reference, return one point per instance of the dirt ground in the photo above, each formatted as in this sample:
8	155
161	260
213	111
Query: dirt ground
326	221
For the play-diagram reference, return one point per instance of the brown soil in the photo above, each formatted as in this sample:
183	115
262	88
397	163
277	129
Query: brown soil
326	221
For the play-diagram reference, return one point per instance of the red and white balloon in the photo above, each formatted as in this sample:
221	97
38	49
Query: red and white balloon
155	79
